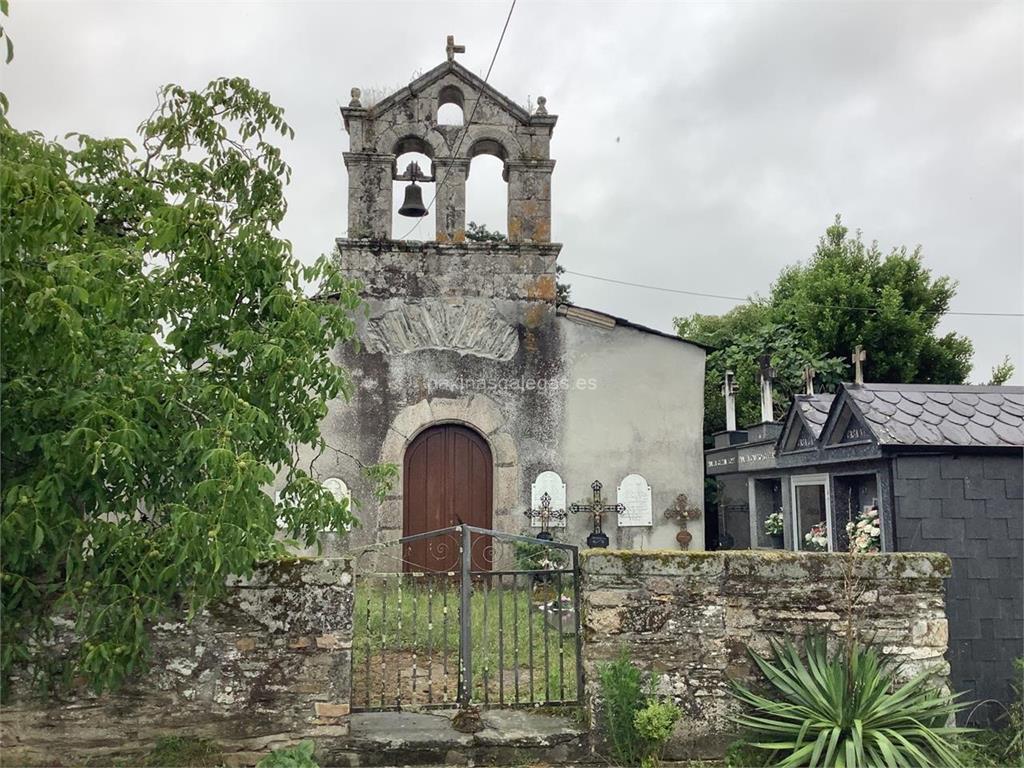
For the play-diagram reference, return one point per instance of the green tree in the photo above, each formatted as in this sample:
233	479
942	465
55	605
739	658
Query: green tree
739	338
1002	373
816	313
160	365
899	306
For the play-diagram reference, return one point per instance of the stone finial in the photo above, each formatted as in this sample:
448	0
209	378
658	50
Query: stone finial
451	48
542	106
356	93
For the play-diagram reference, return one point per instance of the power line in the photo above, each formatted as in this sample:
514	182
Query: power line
469	122
746	299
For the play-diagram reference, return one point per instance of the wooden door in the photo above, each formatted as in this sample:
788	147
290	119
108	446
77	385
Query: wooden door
447	481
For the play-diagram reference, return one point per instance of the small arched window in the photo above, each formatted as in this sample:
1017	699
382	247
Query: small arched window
450	106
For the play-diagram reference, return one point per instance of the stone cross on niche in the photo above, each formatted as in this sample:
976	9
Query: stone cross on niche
729	389
809	380
598	538
451	49
857	358
545	514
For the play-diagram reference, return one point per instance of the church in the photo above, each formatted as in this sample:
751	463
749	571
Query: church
501	407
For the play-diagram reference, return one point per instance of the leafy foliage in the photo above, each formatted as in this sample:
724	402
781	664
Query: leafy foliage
160	365
622	697
846	710
807	320
654	724
1002	373
298	756
479	233
638	724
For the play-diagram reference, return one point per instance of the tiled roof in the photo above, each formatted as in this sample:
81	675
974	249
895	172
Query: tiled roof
941	415
814	409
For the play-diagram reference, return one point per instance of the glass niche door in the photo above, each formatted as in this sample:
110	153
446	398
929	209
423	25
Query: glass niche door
812	513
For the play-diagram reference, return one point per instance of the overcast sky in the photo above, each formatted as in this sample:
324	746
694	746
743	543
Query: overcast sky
699	146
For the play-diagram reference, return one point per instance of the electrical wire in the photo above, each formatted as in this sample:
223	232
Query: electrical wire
747	299
469	122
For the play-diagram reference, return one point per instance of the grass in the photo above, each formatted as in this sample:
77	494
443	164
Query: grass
184	752
402	620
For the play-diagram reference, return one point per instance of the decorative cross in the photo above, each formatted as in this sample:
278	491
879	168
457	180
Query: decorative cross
682	511
451	49
767	376
809	380
597	508
729	389
858	357
545	514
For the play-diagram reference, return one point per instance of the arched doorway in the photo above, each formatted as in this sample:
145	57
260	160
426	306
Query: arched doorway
447	481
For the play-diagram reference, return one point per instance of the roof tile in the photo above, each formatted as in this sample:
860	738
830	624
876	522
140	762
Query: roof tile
941	415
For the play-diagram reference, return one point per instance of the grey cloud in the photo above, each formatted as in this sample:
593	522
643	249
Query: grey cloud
701	146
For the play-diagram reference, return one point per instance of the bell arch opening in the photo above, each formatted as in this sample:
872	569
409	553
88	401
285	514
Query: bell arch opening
411	189
451	105
486	196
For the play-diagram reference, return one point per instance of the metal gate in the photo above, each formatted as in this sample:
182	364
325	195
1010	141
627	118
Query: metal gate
502	628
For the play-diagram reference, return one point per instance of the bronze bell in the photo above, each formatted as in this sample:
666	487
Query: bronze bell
413	204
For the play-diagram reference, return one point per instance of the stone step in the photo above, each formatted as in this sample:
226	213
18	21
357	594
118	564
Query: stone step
425	738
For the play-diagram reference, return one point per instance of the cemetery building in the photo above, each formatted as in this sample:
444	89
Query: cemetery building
470	377
942	465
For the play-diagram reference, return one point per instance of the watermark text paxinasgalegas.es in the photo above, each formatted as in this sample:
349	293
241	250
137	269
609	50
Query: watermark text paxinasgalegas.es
513	384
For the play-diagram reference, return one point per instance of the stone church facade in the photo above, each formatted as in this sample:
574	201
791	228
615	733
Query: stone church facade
470	377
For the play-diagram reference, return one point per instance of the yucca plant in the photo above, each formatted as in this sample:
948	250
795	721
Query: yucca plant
846	711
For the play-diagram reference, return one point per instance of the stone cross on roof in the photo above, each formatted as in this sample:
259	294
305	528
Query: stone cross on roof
451	49
729	389
809	380
767	375
857	358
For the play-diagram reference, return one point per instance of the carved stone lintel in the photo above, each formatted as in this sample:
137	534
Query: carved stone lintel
472	328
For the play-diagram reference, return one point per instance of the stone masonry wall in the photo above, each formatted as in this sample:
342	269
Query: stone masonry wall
266	666
689	617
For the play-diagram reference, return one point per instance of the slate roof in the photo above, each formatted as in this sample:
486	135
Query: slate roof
815	410
941	415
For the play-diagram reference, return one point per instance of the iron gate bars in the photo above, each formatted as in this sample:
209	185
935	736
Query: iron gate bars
494	622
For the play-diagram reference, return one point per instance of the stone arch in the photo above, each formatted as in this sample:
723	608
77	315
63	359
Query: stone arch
451	94
412	134
412	143
487	145
478	412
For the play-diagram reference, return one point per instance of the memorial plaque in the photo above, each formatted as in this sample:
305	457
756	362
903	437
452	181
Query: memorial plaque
338	488
635	495
550	483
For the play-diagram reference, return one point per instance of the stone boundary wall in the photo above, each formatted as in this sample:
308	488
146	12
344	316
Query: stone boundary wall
266	666
689	617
